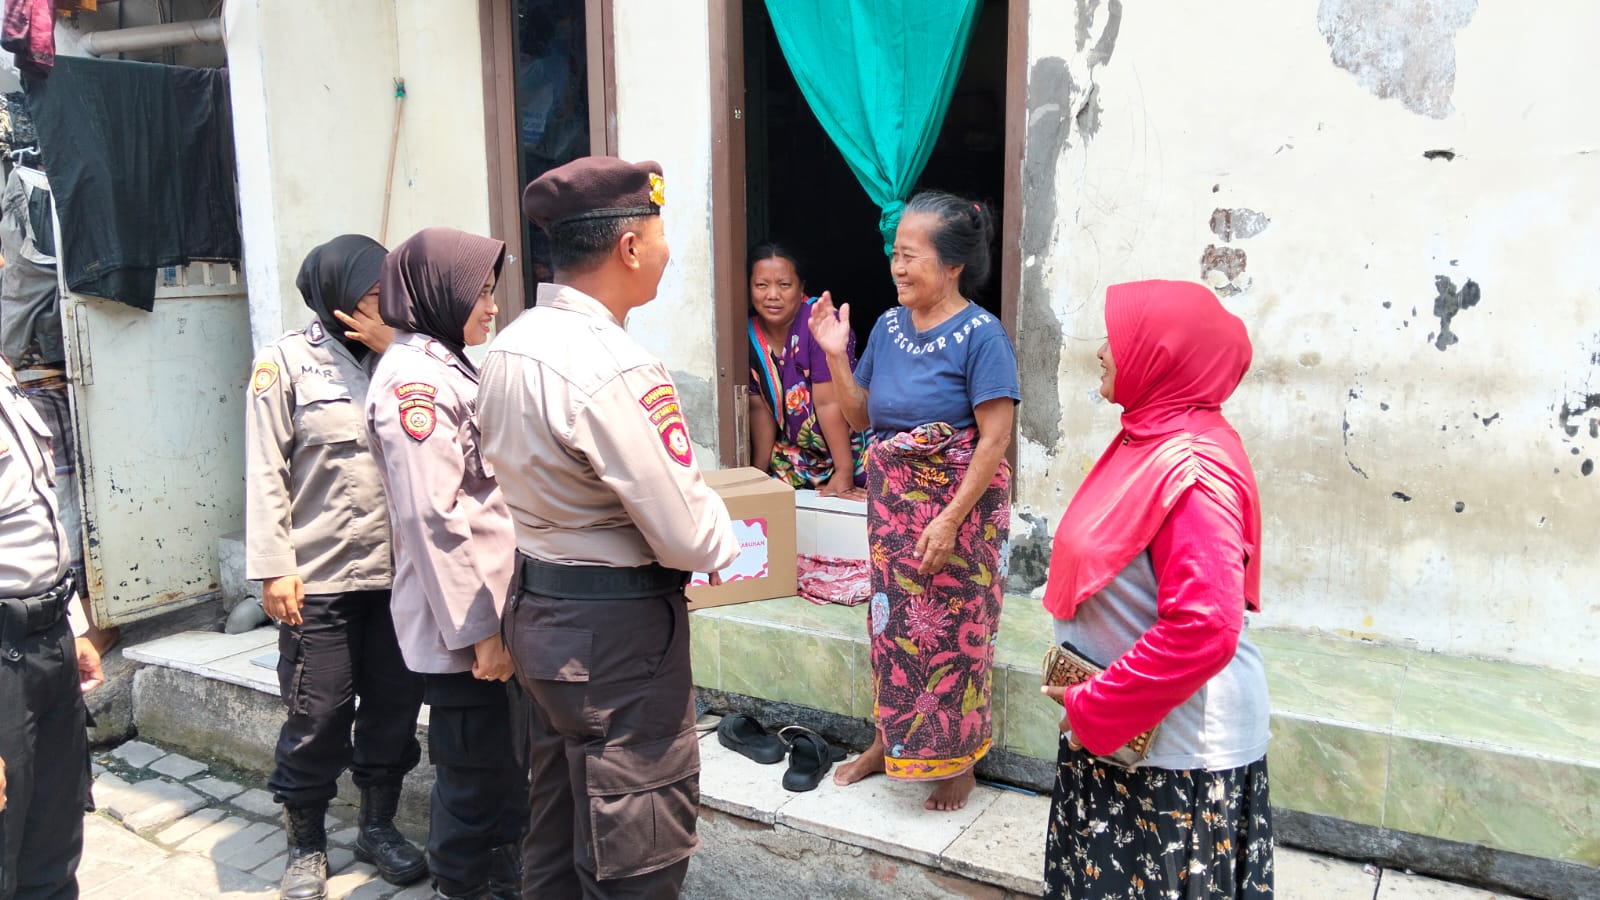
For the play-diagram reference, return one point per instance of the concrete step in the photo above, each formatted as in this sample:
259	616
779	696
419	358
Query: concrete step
1467	768
225	840
204	693
788	661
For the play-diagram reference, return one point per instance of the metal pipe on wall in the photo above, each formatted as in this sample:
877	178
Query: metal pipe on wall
152	37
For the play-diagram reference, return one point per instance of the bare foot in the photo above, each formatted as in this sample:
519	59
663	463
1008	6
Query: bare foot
870	762
951	794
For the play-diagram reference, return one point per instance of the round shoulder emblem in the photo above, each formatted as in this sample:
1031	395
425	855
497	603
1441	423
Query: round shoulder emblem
265	375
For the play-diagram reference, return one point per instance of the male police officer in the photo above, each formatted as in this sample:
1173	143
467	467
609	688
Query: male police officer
44	670
583	428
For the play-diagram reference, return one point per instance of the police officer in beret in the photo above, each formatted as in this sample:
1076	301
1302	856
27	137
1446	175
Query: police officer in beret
585	431
45	667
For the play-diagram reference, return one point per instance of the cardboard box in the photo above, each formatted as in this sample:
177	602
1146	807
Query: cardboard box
762	510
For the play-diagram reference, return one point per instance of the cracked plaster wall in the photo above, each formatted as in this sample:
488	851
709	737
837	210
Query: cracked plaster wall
664	114
312	85
1418	487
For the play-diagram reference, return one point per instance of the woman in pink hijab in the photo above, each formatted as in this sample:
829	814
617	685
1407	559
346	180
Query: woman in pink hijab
1155	562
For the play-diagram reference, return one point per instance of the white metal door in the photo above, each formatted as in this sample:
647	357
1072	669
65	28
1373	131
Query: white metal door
158	407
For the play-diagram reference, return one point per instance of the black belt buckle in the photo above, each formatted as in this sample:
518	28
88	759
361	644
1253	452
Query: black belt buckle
50	607
42	612
599	582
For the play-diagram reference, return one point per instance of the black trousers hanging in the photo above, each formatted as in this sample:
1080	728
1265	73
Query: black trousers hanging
345	648
480	788
46	753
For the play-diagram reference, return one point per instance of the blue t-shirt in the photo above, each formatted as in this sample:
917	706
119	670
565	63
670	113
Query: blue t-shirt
939	375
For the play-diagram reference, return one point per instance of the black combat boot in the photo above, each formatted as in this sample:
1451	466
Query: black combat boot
306	875
397	860
445	889
505	872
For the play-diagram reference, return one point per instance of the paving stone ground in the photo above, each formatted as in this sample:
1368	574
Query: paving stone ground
171	828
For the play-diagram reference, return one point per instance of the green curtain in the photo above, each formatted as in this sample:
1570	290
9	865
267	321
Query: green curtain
878	75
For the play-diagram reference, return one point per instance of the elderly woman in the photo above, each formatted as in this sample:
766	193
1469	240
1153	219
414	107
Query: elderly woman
453	548
1155	562
938	386
796	429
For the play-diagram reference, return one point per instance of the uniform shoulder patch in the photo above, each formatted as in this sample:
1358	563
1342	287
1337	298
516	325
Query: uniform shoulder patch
656	396
661	405
417	411
265	376
675	437
416	387
417	416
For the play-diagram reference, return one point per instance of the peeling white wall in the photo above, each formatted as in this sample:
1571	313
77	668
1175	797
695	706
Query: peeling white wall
1350	406
313	98
1143	120
664	114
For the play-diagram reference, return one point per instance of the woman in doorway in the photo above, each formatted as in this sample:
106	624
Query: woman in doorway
938	387
796	429
1155	563
317	538
453	551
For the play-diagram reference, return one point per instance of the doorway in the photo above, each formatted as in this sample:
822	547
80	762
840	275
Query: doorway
800	193
549	98
770	151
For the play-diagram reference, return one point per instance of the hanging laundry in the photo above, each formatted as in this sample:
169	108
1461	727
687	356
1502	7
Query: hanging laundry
141	161
30	303
29	31
16	123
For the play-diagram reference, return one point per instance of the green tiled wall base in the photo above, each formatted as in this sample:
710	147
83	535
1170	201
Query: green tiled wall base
1465	750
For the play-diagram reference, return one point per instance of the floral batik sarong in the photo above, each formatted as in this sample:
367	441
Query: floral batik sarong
932	636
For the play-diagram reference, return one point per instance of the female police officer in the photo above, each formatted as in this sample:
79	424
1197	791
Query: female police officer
453	549
317	537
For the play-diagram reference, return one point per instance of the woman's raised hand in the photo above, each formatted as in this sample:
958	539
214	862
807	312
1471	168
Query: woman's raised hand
830	327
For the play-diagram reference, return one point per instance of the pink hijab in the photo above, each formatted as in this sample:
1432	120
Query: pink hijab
1178	355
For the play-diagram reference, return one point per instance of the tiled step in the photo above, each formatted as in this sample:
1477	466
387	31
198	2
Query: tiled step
203	692
1402	742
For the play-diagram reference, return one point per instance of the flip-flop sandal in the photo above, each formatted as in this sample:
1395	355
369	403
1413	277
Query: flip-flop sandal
745	736
836	752
810	758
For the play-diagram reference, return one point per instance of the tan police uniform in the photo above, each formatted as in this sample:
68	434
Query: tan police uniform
314	507
42	738
454	552
584	430
314	500
453	545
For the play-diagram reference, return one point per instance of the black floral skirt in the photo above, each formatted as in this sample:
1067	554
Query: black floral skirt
1155	833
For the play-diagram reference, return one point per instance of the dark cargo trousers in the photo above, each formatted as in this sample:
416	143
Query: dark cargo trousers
46	752
613	759
345	648
481	778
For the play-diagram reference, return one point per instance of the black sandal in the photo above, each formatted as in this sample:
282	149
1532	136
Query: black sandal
810	758
745	736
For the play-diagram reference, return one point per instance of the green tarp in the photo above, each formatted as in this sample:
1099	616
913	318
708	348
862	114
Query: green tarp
878	75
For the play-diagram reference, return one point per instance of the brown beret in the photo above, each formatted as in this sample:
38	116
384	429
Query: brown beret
594	187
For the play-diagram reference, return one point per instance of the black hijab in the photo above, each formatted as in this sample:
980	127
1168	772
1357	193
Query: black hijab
432	281
335	276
